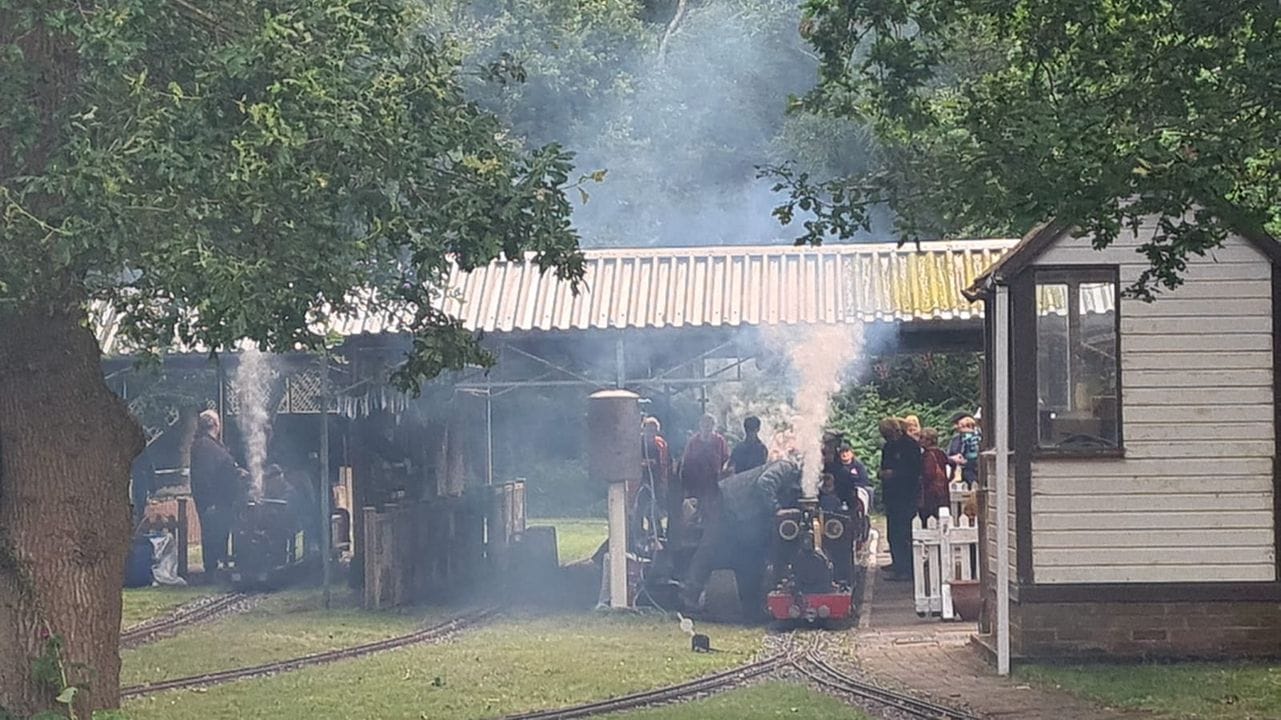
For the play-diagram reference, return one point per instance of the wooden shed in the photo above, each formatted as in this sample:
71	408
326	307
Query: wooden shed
1142	437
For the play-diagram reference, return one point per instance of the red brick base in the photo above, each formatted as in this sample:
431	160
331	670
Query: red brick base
1142	630
159	511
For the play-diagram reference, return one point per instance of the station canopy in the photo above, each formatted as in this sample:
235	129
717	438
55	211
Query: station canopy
700	287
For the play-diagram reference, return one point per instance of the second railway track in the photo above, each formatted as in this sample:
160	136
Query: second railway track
180	618
816	669
427	634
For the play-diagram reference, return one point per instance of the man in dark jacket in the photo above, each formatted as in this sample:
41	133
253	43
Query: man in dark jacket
901	486
851	475
738	534
216	487
750	453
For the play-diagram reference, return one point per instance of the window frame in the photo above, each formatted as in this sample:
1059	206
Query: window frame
1074	276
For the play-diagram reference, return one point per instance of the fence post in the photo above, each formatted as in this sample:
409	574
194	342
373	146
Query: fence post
182	537
945	564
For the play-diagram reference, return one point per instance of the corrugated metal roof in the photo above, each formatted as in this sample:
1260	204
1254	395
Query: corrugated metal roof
720	286
711	287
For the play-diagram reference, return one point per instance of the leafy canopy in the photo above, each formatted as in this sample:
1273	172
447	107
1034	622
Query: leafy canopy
229	170
997	115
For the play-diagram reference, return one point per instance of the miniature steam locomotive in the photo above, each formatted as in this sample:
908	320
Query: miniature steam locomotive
814	565
264	546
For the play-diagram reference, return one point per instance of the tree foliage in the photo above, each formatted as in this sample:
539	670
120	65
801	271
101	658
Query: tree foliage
245	170
995	116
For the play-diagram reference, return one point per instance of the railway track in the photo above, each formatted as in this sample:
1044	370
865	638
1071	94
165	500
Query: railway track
427	634
190	614
807	661
681	691
814	667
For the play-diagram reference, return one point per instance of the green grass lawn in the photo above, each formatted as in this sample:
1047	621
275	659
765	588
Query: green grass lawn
142	604
283	626
1204	691
576	538
512	665
759	702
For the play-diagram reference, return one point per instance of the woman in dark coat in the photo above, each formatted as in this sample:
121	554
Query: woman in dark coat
901	486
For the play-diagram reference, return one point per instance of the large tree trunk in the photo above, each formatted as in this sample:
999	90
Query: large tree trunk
66	446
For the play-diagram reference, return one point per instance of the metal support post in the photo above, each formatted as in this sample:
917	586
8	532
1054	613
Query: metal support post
620	363
326	490
489	437
618	545
1001	419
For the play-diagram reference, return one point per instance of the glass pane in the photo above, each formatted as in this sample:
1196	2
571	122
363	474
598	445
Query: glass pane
1053	360
1077	367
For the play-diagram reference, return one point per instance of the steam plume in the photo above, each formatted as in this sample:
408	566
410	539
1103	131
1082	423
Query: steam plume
820	355
253	388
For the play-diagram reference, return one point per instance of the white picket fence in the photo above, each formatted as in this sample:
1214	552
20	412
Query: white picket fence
959	492
944	550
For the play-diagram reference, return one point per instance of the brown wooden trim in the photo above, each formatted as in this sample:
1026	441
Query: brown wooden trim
1023	401
1036	241
1043	236
1152	592
1276	414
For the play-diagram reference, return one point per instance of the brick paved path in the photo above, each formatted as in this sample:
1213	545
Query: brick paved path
936	660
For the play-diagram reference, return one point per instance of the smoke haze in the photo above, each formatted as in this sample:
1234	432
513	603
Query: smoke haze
680	119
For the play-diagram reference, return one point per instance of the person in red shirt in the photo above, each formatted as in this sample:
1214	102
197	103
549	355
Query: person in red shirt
705	456
657	468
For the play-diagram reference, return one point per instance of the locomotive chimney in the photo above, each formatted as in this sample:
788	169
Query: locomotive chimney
614	457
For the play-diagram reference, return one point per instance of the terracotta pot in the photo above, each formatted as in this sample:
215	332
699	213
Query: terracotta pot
967	599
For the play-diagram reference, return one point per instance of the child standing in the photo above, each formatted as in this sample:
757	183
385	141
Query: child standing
963	450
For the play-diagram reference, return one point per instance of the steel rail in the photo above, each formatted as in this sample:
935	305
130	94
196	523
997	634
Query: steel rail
708	683
182	617
817	670
434	632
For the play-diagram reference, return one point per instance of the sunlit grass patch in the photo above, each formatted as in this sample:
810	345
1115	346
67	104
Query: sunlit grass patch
576	538
503	668
1204	691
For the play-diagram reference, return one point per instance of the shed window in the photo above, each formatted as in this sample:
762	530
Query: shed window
1077	360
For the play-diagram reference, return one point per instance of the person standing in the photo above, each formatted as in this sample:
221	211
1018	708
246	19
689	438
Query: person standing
656	460
751	452
963	450
854	474
705	456
901	485
912	427
934	476
216	482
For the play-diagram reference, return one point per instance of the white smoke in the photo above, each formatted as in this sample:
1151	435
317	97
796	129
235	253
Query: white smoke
820	355
253	381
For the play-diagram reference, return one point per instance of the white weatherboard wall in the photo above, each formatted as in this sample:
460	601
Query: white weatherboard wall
1192	499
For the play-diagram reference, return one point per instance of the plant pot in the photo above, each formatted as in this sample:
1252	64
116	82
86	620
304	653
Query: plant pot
967	599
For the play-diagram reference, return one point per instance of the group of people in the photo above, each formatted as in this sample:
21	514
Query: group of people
915	477
221	489
706	459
